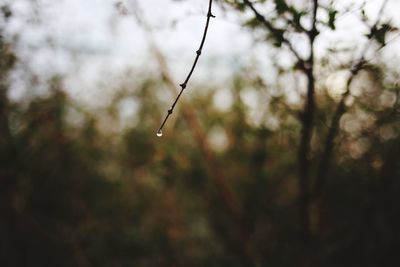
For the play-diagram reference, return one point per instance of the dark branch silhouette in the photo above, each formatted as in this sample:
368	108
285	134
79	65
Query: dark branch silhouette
198	53
307	122
323	167
307	116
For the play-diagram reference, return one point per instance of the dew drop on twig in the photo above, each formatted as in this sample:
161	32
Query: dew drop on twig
159	133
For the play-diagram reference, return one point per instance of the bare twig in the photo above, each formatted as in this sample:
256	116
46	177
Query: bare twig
198	53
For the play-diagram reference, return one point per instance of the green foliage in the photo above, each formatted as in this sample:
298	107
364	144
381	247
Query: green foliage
380	32
281	6
332	18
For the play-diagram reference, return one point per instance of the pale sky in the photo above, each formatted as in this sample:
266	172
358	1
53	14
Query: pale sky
89	43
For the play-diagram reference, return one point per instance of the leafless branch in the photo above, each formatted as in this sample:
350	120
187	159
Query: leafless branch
198	53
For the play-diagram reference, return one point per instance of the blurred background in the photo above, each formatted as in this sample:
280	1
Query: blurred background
251	170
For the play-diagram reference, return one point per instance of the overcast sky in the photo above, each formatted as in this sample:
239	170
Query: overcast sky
88	41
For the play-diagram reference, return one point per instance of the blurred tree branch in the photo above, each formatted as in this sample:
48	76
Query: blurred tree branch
323	167
307	121
277	33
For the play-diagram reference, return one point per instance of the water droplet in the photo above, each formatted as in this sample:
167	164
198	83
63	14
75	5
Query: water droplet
159	133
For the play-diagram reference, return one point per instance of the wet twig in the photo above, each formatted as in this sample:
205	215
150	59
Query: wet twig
184	84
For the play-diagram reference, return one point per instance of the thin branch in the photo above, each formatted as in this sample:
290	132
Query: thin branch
274	30
198	53
323	166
